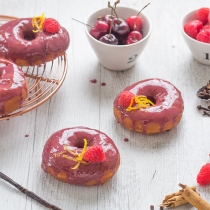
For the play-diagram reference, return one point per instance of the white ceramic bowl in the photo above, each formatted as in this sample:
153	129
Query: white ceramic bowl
200	50
118	57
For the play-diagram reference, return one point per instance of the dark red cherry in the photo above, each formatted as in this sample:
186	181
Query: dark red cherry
100	29
108	19
131	21
122	40
120	27
109	39
133	38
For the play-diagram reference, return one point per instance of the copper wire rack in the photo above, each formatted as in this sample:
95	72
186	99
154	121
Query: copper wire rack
43	80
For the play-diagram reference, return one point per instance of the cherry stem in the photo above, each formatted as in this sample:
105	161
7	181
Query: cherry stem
83	23
136	20
109	5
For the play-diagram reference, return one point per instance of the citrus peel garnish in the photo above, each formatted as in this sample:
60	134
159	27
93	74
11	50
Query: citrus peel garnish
141	101
38	22
78	157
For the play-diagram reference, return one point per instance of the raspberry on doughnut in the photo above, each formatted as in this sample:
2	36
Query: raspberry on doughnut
25	42
13	87
156	107
80	156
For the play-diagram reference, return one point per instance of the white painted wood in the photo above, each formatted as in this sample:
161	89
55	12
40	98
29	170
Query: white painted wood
151	166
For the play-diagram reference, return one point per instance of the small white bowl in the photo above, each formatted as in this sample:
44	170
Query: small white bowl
200	50
118	57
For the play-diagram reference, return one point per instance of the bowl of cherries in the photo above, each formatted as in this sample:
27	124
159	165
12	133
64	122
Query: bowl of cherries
118	35
195	28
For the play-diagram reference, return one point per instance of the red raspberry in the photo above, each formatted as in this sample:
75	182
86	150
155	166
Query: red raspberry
51	25
203	177
207	26
209	18
203	14
204	36
94	154
125	99
192	28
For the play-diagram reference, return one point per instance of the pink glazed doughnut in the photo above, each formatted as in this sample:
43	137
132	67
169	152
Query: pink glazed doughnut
164	115
90	174
25	48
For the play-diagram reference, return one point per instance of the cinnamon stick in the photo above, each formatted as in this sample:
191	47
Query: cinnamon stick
176	199
28	193
189	195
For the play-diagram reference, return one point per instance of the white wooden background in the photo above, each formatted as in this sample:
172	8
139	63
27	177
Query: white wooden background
151	166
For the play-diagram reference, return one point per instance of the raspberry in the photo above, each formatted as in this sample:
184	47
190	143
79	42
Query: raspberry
204	36
203	177
51	25
94	154
207	26
192	28
203	14
125	99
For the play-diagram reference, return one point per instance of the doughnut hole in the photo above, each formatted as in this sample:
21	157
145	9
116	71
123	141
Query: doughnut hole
151	98
29	35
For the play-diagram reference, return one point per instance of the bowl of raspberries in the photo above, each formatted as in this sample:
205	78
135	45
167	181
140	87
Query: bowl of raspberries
118	35
195	28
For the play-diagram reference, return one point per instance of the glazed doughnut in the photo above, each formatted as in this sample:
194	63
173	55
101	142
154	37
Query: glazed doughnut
162	116
13	87
25	48
72	139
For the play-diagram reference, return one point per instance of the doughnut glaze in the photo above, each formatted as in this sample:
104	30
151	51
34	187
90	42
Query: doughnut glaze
164	115
13	87
24	47
91	174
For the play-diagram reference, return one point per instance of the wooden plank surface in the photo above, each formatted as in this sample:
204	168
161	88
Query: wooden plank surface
151	166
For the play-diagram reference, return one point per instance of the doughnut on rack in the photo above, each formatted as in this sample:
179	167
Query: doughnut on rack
43	80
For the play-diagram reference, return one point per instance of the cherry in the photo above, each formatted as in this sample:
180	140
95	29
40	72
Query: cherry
120	28
109	39
131	21
134	21
133	37
100	29
108	19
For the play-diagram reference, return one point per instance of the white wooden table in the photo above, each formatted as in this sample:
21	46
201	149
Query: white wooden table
151	166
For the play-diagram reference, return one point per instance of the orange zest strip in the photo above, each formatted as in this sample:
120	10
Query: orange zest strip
78	157
38	22
56	155
69	158
141	101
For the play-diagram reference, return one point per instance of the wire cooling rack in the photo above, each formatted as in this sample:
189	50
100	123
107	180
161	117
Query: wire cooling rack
43	80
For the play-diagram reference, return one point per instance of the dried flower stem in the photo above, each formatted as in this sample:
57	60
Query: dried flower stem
28	193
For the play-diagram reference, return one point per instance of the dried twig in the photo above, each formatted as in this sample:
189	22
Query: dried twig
28	193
